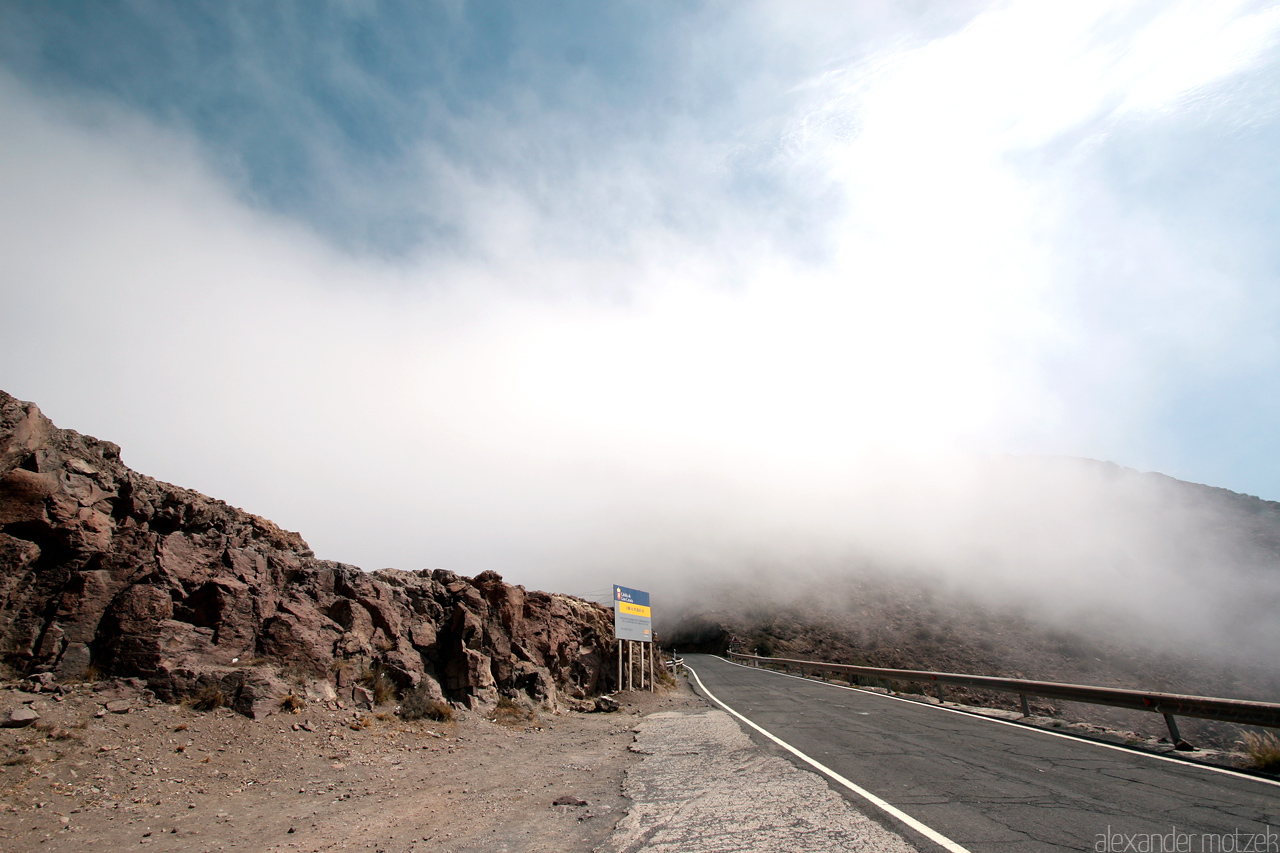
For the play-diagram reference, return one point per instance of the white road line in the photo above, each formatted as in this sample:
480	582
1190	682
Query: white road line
1020	726
931	834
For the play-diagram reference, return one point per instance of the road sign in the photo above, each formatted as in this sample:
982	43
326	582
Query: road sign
632	619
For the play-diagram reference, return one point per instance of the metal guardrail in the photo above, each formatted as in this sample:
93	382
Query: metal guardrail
1169	704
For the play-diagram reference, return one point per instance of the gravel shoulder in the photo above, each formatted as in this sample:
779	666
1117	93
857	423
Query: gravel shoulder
325	778
704	785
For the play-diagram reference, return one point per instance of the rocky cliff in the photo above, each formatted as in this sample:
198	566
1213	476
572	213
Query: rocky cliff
106	571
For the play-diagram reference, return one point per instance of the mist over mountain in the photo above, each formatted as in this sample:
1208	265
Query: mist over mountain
1056	569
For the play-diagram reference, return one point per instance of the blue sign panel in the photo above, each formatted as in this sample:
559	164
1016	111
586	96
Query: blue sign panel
632	617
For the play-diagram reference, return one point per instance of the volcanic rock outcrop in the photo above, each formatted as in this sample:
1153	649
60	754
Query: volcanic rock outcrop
106	571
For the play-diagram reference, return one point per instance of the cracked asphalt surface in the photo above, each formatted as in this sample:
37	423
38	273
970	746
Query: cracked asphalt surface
986	785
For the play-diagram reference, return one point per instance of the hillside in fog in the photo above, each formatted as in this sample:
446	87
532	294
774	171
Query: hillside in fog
1075	571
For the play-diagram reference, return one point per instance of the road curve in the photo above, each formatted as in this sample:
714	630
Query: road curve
980	785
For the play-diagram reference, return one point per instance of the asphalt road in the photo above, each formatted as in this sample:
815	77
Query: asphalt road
992	786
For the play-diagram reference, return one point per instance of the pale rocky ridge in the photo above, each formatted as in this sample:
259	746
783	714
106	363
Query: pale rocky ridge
107	572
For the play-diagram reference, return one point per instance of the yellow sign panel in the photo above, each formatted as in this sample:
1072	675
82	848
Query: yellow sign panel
631	614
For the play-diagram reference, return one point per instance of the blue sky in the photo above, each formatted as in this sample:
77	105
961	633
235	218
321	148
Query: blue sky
569	269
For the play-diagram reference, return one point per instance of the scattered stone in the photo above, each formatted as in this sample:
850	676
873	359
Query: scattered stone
20	717
606	704
41	681
568	800
119	706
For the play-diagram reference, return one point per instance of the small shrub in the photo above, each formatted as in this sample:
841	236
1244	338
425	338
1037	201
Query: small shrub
511	713
292	703
375	679
209	698
1264	749
419	705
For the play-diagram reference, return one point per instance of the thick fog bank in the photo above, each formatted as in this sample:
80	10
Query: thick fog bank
1090	548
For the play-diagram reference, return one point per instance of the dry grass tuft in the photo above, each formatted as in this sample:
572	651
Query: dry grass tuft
209	698
292	703
1264	749
54	732
511	713
376	680
420	705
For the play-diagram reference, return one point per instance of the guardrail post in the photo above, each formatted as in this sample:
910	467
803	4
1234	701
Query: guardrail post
941	698
1026	709
1174	737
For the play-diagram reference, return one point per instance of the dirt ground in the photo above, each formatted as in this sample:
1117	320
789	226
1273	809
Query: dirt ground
326	778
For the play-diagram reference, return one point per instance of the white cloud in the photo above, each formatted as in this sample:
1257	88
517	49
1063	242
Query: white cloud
679	398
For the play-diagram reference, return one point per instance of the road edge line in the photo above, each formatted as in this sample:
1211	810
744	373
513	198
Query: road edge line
893	811
1026	727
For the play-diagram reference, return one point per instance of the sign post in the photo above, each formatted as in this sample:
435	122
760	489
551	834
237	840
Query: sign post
632	621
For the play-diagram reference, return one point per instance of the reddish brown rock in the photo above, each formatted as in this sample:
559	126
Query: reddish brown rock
103	569
20	717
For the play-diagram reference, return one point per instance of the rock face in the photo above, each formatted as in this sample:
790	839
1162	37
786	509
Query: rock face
108	571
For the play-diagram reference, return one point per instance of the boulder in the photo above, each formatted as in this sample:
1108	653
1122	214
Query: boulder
260	693
606	704
362	697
